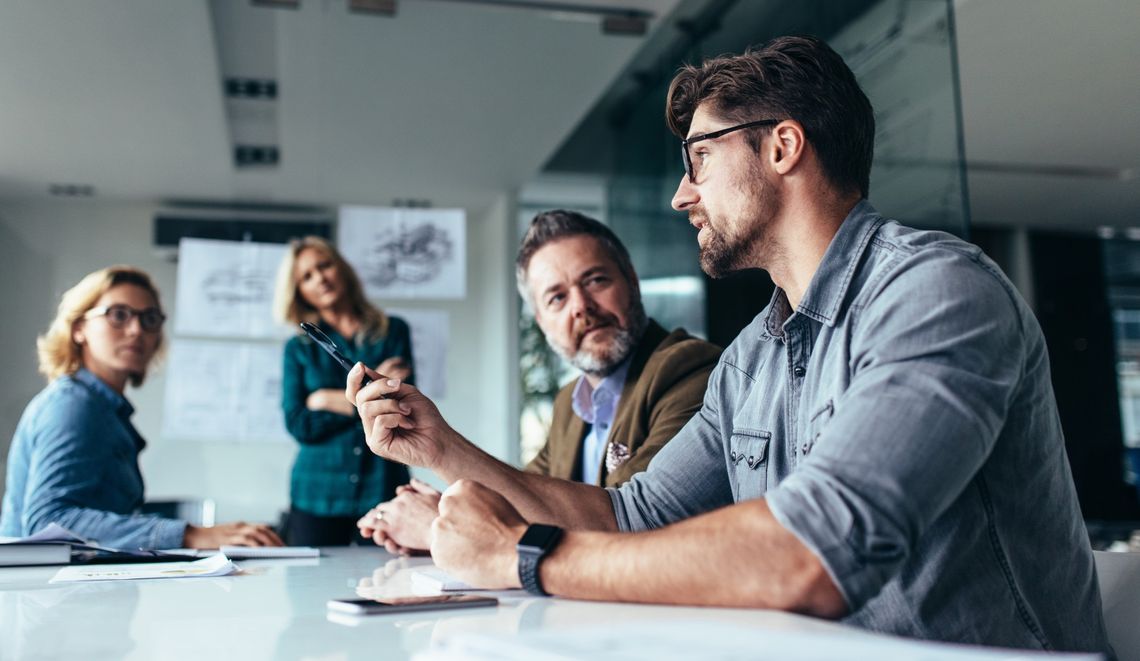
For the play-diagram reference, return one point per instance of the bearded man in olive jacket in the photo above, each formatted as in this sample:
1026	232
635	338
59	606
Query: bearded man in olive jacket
639	384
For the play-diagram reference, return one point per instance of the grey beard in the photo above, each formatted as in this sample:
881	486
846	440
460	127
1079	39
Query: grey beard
625	341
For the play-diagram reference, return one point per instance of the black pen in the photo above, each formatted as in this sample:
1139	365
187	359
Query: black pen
328	345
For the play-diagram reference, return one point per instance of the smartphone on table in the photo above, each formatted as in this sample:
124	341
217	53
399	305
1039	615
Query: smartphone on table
409	604
328	345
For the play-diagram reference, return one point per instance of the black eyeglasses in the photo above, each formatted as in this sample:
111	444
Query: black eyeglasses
687	157
119	315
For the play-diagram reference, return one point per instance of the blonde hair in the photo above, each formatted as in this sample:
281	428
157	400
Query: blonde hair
58	351
289	307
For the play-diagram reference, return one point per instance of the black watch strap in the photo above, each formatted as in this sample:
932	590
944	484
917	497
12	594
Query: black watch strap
538	540
528	574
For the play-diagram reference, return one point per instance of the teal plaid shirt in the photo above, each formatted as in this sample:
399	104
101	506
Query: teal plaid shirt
335	474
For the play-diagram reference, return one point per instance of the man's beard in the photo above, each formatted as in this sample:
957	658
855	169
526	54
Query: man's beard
606	362
720	254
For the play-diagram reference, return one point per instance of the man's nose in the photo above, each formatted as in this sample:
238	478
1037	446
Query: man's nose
686	195
580	302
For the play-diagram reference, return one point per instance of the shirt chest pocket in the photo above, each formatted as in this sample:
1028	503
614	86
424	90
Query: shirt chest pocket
748	462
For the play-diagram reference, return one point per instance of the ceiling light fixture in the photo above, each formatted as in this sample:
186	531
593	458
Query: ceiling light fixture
377	7
614	20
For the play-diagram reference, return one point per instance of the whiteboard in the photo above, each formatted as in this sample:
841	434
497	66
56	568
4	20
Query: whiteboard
225	289
406	253
224	391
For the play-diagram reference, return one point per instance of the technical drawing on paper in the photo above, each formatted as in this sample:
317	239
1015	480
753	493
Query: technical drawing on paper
225	289
417	254
236	285
406	253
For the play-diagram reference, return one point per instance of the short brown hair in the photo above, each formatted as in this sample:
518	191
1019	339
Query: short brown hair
58	352
798	77
291	308
550	226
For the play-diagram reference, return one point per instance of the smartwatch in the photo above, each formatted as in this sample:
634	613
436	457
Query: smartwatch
538	540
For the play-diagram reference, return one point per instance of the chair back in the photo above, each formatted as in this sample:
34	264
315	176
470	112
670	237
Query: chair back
1119	578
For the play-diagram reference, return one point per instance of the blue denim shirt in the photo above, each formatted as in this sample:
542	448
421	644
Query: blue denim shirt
74	461
901	423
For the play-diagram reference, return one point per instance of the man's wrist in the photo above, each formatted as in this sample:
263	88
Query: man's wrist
533	547
456	457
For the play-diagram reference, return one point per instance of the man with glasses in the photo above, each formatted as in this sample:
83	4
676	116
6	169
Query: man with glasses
880	445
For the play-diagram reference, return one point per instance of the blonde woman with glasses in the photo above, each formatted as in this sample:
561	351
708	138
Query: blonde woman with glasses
335	479
74	457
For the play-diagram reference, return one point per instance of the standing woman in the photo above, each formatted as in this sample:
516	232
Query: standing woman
335	478
74	457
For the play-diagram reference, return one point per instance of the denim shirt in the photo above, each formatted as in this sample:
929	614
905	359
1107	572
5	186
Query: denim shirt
74	461
901	424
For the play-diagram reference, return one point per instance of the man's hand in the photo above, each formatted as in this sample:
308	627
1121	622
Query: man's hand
403	525
230	534
475	534
400	423
395	368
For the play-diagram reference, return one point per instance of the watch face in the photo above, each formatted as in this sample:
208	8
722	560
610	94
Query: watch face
539	537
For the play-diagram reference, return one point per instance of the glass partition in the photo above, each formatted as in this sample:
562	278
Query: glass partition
902	52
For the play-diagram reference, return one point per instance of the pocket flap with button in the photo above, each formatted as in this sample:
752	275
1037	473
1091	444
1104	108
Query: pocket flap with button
748	459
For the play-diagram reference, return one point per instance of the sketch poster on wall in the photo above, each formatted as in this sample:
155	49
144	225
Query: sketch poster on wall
225	289
430	336
406	253
224	391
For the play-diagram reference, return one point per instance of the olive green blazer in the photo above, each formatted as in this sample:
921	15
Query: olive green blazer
664	387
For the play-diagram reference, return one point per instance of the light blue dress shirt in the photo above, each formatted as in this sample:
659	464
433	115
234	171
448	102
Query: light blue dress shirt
597	407
74	461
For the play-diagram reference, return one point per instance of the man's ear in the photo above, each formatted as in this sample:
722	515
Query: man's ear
788	146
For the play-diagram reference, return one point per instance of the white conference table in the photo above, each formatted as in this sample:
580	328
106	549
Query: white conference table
275	609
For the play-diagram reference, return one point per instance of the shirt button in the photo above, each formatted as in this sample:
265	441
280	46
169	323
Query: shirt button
357	451
806	447
354	478
799	371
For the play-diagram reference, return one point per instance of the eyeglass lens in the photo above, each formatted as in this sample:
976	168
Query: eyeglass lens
120	315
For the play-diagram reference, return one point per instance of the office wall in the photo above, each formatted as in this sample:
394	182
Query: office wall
47	245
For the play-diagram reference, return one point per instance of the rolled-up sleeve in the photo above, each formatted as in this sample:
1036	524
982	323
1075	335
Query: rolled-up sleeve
935	354
686	478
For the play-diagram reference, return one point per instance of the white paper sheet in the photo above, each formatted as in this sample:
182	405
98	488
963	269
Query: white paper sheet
406	253
225	289
224	391
252	552
216	565
714	641
430	336
53	532
432	579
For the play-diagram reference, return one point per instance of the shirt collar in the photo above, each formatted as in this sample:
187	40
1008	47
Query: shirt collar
828	287
101	389
582	400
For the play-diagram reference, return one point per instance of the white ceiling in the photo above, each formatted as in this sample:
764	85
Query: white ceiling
447	102
455	103
1051	111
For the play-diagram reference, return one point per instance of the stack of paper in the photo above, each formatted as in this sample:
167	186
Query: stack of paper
217	565
50	546
436	580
